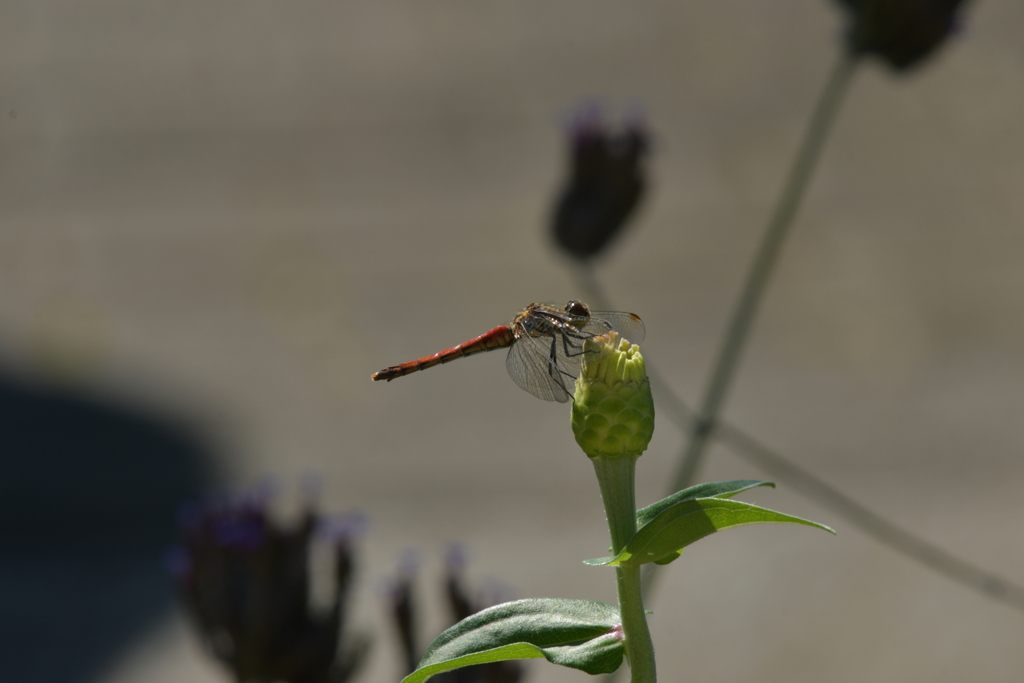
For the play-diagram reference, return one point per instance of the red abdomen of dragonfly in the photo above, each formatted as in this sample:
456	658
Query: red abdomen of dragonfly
499	337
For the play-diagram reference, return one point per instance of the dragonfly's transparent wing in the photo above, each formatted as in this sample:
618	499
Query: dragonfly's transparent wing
545	359
539	365
628	325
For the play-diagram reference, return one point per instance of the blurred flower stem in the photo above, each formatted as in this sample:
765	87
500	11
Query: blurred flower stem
760	271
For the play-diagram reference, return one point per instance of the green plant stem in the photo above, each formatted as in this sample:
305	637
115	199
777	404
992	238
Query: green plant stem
616	478
639	648
761	269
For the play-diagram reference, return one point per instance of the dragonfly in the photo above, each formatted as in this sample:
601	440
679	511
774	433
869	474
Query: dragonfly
545	346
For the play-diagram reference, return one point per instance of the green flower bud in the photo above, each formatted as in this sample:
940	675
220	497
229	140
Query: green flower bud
612	410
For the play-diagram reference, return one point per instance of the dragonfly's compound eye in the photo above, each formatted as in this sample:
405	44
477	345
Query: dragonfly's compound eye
577	308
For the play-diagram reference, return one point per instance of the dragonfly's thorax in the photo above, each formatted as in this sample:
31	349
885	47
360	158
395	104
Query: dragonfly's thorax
545	320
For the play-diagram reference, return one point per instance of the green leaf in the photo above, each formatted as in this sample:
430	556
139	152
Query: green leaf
689	521
607	561
672	557
581	634
721	489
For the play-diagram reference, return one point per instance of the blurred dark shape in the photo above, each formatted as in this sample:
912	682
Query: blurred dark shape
606	183
900	32
459	602
404	612
88	490
461	606
244	580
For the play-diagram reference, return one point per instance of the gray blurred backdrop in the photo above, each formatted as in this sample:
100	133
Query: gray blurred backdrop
226	215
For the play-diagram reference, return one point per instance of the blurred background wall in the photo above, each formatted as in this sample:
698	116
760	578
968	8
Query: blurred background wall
217	219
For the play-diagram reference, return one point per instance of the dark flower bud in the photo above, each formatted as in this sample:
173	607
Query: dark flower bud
244	579
606	183
403	610
900	32
460	603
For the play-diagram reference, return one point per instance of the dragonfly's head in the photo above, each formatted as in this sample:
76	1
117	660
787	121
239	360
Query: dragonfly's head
577	308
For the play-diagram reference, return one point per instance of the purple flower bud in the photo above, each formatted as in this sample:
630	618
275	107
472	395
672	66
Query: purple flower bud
244	577
900	32
606	182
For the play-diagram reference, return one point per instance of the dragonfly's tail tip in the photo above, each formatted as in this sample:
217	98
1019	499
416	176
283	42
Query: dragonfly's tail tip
385	375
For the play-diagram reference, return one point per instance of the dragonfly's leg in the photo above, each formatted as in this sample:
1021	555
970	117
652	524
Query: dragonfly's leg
556	372
577	350
553	368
